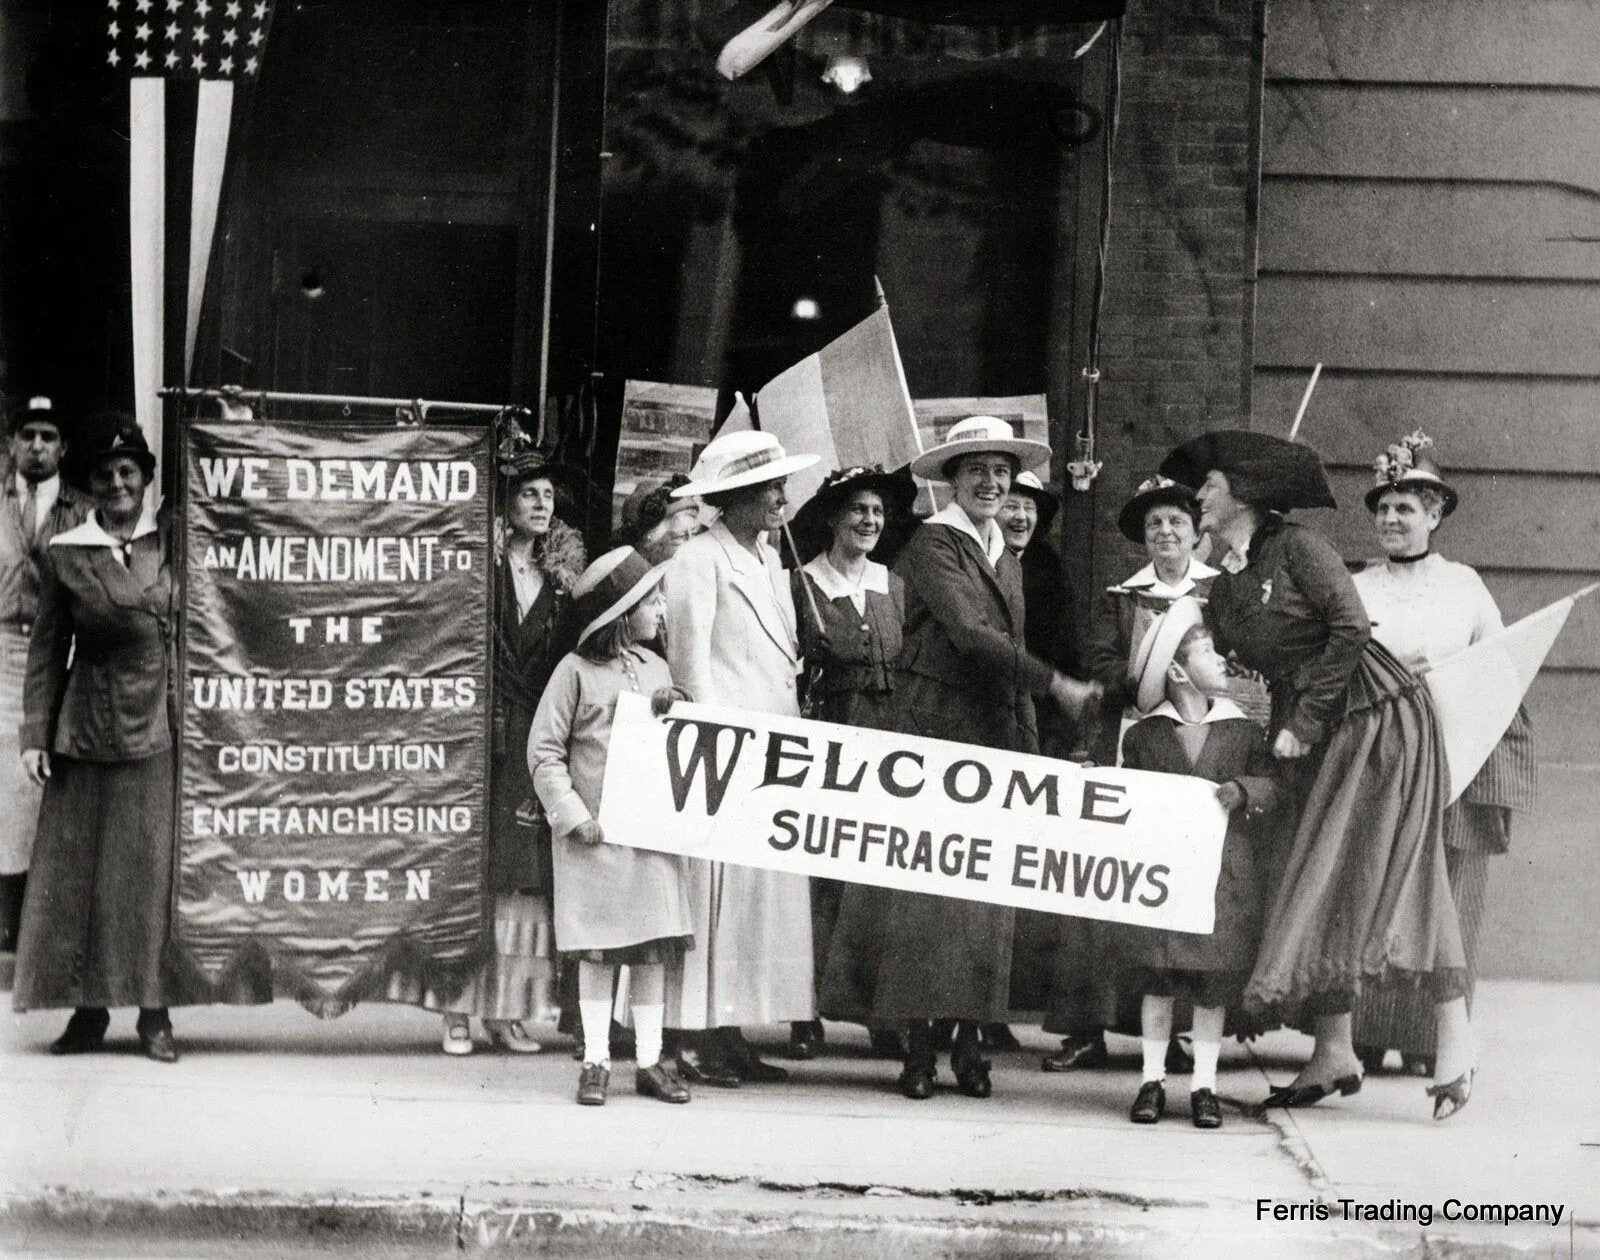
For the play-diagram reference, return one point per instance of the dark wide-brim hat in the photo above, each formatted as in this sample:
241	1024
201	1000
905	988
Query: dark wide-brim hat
811	523
1154	492
102	436
1265	471
1043	498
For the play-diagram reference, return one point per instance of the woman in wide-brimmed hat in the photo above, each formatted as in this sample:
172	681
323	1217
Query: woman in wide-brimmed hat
1363	890
538	559
964	674
1162	517
851	610
95	735
732	640
1425	608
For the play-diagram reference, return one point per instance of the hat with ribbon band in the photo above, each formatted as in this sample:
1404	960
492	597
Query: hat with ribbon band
610	586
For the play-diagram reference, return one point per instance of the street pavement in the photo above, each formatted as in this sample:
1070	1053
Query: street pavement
278	1134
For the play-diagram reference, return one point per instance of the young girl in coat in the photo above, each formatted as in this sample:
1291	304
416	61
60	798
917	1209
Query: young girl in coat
614	905
1191	727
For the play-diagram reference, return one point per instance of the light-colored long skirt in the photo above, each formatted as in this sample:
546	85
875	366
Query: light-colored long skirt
19	796
516	981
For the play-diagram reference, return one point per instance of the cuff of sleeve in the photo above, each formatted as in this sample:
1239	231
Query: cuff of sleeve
567	814
1307	730
33	735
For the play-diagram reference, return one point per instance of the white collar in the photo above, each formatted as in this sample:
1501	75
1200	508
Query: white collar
835	585
1146	579
955	516
1220	711
92	534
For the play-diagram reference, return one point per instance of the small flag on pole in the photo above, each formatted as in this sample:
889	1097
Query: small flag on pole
1477	691
847	403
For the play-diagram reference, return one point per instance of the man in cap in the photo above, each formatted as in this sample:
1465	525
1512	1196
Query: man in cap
35	507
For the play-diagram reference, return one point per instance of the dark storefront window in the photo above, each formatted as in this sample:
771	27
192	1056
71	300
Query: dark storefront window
743	223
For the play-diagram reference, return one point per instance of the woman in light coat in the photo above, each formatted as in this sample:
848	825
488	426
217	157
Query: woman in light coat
732	640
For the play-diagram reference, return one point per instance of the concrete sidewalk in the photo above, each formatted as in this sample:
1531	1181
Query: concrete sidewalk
275	1126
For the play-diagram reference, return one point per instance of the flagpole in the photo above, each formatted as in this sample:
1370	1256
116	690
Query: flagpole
147	200
816	614
1305	401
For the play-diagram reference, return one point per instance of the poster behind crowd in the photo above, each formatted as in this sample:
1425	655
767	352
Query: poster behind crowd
334	700
921	815
664	428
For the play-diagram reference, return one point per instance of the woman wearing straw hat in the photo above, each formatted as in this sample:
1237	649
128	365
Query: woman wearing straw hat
732	640
1163	518
964	674
1425	608
1363	890
614	905
851	612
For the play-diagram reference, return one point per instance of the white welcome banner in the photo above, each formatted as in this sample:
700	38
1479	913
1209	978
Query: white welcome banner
922	815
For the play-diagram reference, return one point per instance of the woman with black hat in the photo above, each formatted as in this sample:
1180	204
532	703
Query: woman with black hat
1425	608
96	736
851	610
538	559
964	674
1163	518
1363	890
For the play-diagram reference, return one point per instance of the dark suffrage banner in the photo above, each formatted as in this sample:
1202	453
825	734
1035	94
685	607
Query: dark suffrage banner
333	689
922	815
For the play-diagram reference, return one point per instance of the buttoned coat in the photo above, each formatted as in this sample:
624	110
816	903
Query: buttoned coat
21	553
731	640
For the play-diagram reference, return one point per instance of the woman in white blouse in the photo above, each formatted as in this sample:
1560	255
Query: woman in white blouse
1424	609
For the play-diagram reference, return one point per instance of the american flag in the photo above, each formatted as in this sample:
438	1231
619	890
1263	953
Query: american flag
188	39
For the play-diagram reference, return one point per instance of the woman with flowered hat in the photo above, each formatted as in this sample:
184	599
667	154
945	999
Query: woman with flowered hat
1425	608
851	610
1163	518
614	905
732	639
1362	891
538	558
964	674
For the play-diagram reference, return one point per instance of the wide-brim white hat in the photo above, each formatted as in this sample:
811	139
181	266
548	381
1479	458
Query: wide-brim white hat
1159	646
747	458
978	435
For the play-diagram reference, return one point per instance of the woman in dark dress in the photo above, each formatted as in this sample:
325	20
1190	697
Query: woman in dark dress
926	961
849	654
96	736
539	558
1362	891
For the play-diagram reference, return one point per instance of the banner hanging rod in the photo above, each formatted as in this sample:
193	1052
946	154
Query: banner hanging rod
238	396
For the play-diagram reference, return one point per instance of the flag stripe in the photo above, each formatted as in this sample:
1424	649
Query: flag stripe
147	137
210	159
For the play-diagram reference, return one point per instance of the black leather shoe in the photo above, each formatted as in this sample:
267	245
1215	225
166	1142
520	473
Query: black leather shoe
885	1043
916	1081
805	1038
661	1081
746	1063
1310	1095
999	1037
1205	1110
1079	1052
972	1077
1180	1062
1150	1104
702	1069
592	1082
85	1032
158	1044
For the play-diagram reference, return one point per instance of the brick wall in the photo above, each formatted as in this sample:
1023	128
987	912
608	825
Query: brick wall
1177	324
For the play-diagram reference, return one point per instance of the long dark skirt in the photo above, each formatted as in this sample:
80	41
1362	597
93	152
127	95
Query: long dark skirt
94	928
1364	893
